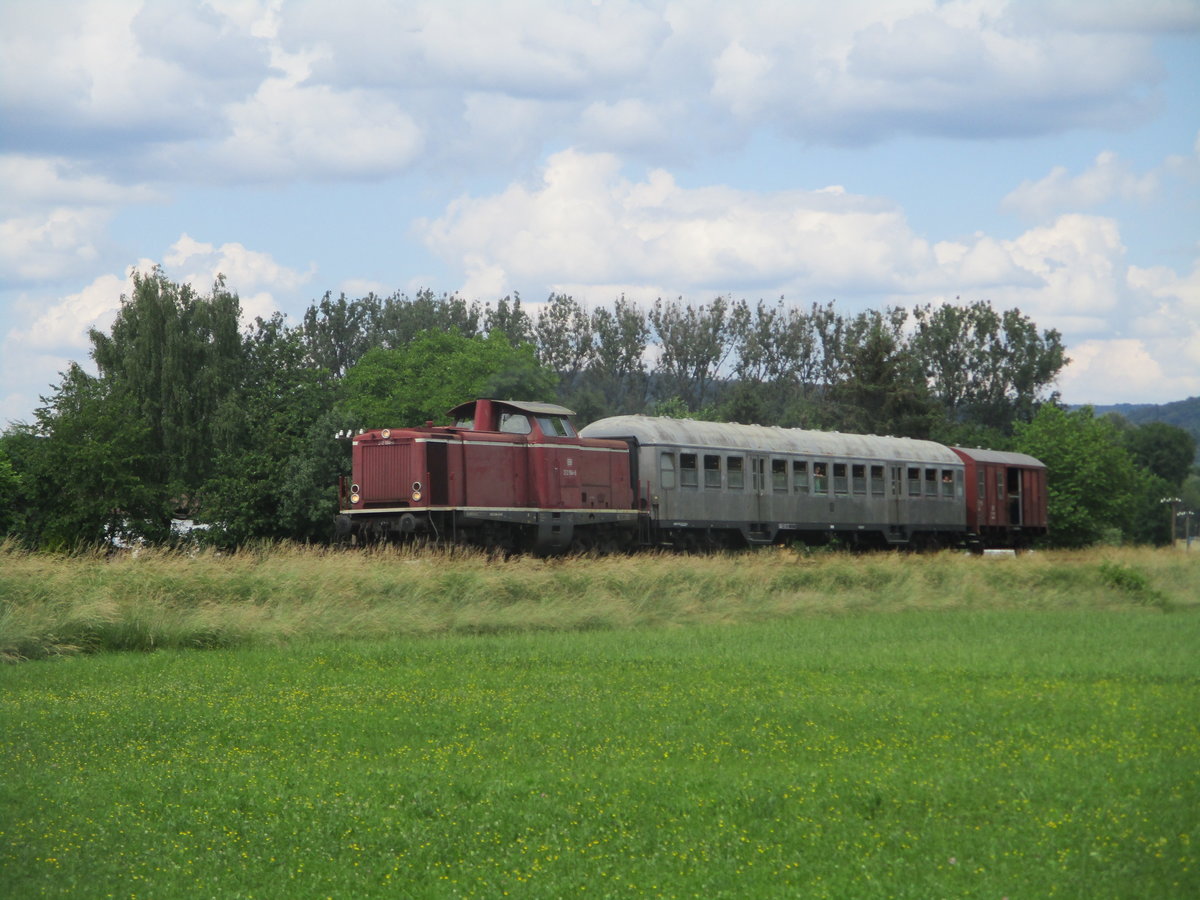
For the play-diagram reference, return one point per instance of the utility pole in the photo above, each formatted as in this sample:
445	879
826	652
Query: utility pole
1174	502
1187	515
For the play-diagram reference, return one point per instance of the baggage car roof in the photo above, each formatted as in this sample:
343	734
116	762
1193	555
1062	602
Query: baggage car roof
1002	457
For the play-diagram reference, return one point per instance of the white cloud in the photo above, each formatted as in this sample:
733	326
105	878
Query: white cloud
32	182
64	325
118	71
255	276
287	131
54	217
48	246
262	90
585	221
1124	370
1108	178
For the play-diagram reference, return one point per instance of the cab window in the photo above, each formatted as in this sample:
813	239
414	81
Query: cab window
555	426
515	423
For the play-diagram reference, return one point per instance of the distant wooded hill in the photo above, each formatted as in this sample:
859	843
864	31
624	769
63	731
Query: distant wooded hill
1183	414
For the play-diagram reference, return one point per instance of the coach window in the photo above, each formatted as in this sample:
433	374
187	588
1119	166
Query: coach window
514	423
820	480
914	481
689	477
841	484
666	468
779	482
712	472
931	482
858	479
877	487
735	473
800	476
948	483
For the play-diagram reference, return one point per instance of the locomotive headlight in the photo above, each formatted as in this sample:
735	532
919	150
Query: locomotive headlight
354	498
386	433
354	489
416	495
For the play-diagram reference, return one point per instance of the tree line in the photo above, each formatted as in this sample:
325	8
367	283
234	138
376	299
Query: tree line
245	429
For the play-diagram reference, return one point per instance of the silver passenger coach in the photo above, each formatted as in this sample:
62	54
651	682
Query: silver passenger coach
712	484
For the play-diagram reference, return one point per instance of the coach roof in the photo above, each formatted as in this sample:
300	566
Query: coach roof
651	431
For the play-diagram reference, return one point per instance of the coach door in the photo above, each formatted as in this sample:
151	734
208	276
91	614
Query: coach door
758	484
664	500
896	489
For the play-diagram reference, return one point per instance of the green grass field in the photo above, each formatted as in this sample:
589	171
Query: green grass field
918	732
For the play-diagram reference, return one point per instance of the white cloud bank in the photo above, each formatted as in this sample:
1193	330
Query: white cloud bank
255	91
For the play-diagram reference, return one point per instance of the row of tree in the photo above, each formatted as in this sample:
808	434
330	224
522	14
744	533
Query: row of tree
893	371
245	429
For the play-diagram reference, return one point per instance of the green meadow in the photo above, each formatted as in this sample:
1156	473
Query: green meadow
766	725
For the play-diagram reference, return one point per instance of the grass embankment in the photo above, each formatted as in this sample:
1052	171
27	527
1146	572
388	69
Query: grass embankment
57	605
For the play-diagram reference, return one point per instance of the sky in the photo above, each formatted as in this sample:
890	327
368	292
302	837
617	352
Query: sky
1037	154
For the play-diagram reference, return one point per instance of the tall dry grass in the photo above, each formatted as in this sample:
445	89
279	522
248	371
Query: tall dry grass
62	604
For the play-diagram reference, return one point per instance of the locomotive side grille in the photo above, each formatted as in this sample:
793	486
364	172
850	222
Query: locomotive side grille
387	473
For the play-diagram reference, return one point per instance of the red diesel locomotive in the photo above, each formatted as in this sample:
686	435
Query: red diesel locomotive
508	475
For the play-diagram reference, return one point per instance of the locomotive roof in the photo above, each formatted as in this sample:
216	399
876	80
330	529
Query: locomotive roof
533	407
1001	457
649	430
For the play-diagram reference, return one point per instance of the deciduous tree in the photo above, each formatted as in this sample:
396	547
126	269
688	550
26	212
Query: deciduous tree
1092	481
